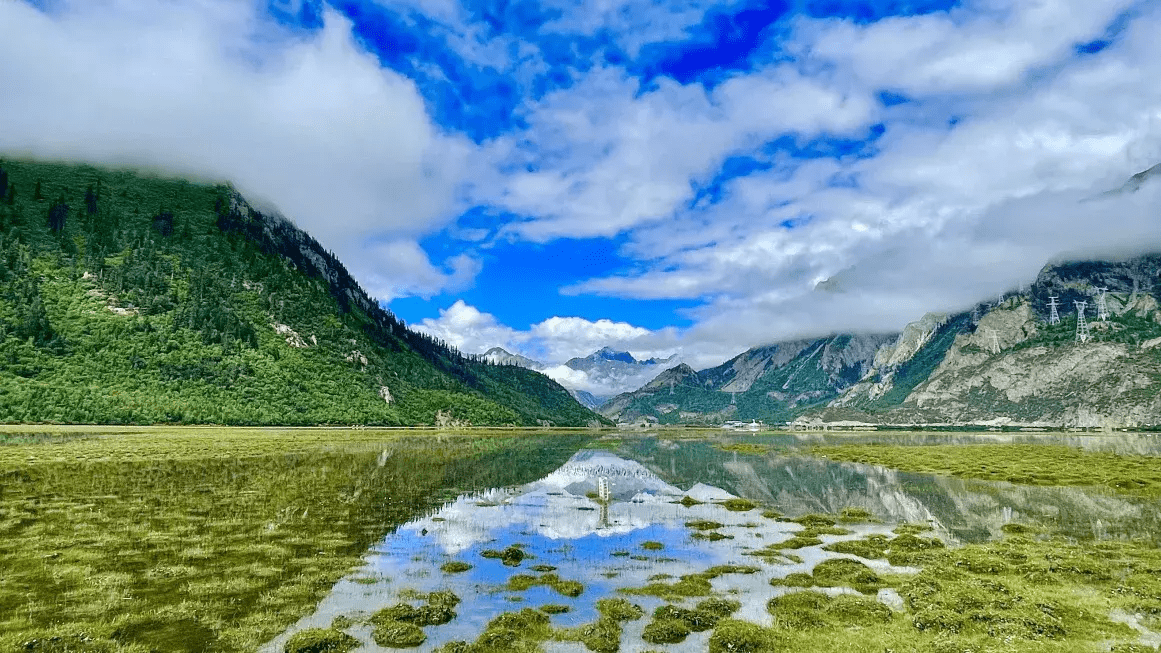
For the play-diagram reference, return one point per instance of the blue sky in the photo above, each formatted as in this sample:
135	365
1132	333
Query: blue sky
557	176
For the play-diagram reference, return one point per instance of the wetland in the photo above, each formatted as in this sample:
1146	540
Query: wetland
337	540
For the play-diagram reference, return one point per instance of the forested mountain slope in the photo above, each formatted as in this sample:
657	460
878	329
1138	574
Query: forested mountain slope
133	299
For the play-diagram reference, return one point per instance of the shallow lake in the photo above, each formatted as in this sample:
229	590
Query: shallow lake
612	519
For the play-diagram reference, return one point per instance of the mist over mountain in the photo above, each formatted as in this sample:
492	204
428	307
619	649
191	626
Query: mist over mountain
132	299
591	379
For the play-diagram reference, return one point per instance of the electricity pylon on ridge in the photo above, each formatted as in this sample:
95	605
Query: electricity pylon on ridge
1053	316
1102	305
1082	334
733	399
670	386
995	341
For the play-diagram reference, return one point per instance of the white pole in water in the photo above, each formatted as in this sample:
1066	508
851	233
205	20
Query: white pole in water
1102	306
995	341
1082	334
603	488
1053	316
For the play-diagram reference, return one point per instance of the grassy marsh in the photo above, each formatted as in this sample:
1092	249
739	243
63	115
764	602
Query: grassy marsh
1025	464
213	539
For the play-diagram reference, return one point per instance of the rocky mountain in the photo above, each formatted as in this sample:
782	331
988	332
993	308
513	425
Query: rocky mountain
1013	363
501	356
128	298
602	374
773	383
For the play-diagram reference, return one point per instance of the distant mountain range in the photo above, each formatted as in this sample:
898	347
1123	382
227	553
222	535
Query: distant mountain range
593	379
1003	362
773	383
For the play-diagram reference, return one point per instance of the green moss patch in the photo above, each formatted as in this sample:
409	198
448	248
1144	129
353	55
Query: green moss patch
815	610
672	623
554	608
320	640
619	609
397	634
852	515
689	585
872	547
703	525
712	536
911	529
738	505
604	635
652	546
511	556
813	520
668	631
688	501
569	588
511	632
734	636
454	567
836	572
438	610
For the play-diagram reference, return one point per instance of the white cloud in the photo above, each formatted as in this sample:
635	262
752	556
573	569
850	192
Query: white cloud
940	216
400	268
603	157
978	45
310	122
551	341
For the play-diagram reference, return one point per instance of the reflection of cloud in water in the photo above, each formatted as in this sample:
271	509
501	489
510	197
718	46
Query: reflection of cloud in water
556	507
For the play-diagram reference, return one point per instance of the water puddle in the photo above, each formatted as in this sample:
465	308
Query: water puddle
568	540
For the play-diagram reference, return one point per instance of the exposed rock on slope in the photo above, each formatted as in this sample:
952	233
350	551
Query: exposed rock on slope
771	383
1013	367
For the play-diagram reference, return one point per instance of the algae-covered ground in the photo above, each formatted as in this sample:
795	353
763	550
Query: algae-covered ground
210	539
331	540
1026	464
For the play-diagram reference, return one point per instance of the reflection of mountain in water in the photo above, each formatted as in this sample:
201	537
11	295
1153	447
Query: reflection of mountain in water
559	506
626	477
961	510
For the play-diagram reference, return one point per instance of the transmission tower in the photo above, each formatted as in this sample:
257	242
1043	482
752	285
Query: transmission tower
733	399
670	386
1102	306
995	341
1082	334
1053	316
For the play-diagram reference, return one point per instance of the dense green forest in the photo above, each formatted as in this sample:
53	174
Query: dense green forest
127	298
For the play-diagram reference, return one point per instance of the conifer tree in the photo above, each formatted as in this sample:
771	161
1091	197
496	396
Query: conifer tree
90	201
3	183
58	214
38	195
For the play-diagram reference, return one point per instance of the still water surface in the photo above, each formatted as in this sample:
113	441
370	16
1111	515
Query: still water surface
557	521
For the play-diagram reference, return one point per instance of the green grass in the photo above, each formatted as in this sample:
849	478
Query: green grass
1026	464
215	539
